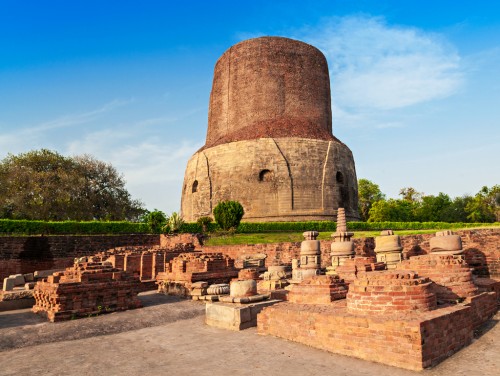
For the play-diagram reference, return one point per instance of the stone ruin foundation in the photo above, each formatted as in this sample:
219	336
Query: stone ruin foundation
85	289
188	268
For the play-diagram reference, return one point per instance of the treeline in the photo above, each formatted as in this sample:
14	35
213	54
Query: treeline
414	206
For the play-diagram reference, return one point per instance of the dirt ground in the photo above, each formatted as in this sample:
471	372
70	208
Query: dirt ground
168	336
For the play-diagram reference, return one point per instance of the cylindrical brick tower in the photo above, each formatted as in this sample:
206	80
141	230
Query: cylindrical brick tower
269	142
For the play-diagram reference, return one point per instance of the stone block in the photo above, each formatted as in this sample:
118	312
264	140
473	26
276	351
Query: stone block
29	277
45	273
8	284
18	279
234	316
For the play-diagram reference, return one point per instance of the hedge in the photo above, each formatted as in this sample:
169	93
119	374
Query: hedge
26	227
322	226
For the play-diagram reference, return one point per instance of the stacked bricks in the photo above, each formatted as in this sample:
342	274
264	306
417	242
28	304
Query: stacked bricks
248	273
320	289
351	267
484	306
143	262
413	341
85	289
187	268
451	275
388	292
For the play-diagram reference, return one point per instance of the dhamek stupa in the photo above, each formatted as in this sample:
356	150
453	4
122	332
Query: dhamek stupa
269	142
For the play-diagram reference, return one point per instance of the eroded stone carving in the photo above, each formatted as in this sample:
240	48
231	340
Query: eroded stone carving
310	258
388	248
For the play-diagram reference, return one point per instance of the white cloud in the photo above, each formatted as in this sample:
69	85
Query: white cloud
375	66
153	167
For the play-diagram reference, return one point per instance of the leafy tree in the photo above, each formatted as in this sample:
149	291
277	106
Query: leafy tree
392	211
156	220
433	208
228	214
485	206
410	194
368	193
43	184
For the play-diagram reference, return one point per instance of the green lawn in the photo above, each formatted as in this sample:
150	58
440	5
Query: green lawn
279	237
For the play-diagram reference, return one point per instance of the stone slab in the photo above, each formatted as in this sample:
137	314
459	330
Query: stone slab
8	284
234	316
18	279
45	273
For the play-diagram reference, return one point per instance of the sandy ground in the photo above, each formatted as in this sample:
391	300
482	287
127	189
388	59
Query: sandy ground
168	336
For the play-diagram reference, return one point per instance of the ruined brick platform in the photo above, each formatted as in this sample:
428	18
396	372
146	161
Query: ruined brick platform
351	267
412	341
451	275
188	268
319	289
385	292
85	289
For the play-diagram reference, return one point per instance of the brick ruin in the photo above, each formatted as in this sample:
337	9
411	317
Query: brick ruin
85	289
412	316
187	268
398	316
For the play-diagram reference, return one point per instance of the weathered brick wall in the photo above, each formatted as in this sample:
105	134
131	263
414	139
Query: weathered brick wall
482	249
413	342
25	254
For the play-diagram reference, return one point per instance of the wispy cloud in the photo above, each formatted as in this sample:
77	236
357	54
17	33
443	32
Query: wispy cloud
79	118
375	66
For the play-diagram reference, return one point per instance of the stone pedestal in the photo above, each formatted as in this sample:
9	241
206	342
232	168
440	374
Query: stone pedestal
446	243
388	249
235	316
310	258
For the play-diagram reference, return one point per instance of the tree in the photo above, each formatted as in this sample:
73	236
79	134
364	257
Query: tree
156	220
392	211
410	194
43	184
485	206
228	214
433	208
368	194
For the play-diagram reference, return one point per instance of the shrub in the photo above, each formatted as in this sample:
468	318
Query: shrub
203	222
228	214
174	222
155	220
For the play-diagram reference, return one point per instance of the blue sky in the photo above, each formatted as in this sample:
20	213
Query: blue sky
415	84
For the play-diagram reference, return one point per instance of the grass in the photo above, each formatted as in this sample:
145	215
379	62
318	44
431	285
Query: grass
281	237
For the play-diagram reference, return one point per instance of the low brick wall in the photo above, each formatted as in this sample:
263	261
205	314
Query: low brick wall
482	249
25	254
